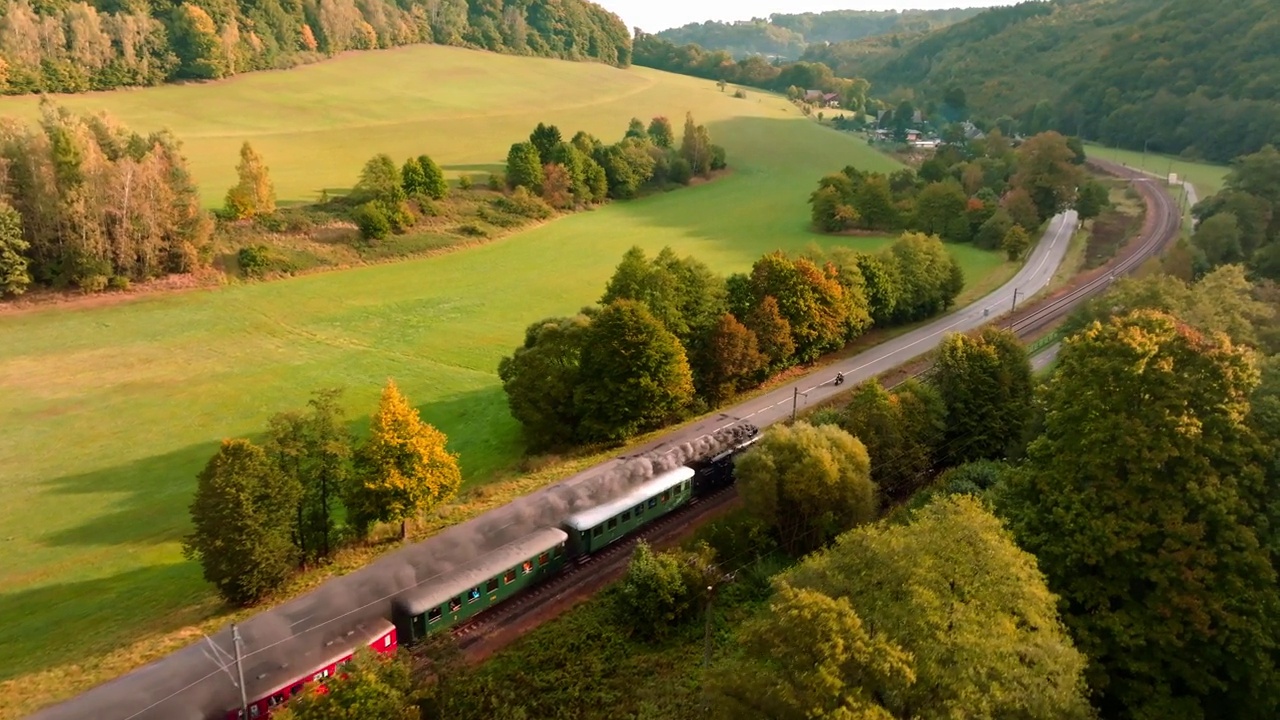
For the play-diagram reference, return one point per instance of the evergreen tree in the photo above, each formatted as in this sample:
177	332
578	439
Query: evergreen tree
244	515
433	182
544	139
14	275
403	469
637	130
254	194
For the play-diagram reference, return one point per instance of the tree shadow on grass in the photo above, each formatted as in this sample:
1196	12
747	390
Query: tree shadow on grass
155	493
485	168
82	622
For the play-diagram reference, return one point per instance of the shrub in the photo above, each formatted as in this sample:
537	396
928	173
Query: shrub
740	94
118	282
372	220
681	171
525	204
496	182
464	182
401	218
472	230
719	158
254	260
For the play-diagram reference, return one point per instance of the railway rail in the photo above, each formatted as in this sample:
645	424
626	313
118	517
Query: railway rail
1161	227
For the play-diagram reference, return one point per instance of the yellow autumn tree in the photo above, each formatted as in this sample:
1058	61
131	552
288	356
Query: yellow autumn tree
403	469
254	194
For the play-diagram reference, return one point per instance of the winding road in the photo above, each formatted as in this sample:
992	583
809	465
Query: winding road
197	682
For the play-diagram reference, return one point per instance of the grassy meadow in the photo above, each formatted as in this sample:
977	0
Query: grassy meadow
112	408
1206	178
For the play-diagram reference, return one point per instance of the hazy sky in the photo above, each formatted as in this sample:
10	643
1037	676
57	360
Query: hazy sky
655	15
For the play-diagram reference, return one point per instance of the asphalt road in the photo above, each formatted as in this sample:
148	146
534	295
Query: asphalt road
197	681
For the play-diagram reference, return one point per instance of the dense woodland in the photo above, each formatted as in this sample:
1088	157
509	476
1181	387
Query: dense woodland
787	35
1241	224
63	46
1178	76
982	191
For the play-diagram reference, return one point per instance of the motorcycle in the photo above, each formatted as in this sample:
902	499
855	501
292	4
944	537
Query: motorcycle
839	379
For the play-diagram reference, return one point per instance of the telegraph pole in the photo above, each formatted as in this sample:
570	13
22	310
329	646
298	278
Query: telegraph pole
244	698
1014	308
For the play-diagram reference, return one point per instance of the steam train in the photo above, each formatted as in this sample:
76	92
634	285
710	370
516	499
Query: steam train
465	591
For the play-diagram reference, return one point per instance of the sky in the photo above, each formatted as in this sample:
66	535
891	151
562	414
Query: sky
655	15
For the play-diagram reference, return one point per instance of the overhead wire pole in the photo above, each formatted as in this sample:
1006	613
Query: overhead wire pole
244	698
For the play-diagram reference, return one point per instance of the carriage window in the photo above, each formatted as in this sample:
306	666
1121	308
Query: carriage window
626	516
527	567
254	711
544	558
295	689
492	586
511	576
653	502
275	700
595	532
613	523
433	615
455	604
386	641
639	509
473	594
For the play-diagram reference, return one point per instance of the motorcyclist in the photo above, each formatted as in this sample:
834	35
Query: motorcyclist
839	378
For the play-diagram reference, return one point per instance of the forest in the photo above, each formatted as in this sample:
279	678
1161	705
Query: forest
787	35
66	47
1173	76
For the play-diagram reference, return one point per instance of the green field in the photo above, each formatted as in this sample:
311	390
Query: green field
112	409
1206	178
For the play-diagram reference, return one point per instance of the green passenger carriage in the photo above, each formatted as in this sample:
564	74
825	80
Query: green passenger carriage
591	530
451	597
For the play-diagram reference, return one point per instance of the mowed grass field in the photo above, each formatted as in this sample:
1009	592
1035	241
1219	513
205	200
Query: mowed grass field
1207	179
111	410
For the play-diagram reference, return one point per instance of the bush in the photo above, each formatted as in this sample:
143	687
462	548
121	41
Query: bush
660	590
740	94
719	158
525	204
118	282
372	220
681	171
464	182
401	218
496	182
254	260
472	230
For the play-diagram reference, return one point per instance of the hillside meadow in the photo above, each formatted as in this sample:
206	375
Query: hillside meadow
113	407
1206	177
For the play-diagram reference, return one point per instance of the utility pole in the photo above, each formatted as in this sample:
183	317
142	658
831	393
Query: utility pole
795	401
1013	309
706	641
244	698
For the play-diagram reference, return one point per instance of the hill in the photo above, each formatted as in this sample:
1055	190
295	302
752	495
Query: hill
135	395
1179	76
787	35
61	46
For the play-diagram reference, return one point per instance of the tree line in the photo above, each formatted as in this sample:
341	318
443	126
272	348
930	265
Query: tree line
66	46
669	336
262	510
584	171
755	71
982	191
1241	224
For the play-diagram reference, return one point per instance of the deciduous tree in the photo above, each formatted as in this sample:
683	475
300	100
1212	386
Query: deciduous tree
369	686
557	186
1093	200
1015	243
254	194
636	129
313	450
434	184
660	590
930	279
380	181
900	459
977	627
540	378
773	333
821	315
403	469
524	167
633	374
696	146
1139	501
1048	173
986	384
729	359
243	516
992	232
809	483
1022	209
1218	238
940	210
412	179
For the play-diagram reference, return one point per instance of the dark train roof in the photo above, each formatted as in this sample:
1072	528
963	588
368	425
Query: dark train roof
434	591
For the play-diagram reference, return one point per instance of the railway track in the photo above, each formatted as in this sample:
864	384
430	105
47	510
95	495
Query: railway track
1161	227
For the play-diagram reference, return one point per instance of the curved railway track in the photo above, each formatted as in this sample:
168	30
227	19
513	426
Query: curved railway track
492	630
